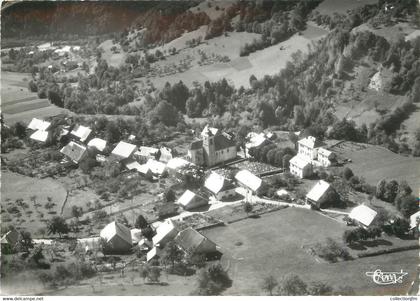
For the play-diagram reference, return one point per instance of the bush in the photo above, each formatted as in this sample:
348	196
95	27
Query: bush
331	251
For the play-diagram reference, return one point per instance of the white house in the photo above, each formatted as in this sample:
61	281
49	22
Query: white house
219	187
248	180
308	148
81	132
117	238
164	233
40	136
124	150
189	200
325	157
97	143
300	166
156	167
75	152
38	124
363	215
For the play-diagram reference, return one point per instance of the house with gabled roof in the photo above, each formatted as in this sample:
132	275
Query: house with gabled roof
75	152
156	167
190	200
248	180
321	194
38	124
193	242
165	232
363	215
40	136
215	147
117	238
97	143
124	150
300	167
219	187
81	133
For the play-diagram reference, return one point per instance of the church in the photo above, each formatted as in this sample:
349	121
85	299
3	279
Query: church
213	148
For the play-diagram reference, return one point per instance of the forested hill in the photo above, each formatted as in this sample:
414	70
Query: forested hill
56	19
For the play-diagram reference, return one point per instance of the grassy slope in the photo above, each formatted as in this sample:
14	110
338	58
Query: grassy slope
278	252
329	7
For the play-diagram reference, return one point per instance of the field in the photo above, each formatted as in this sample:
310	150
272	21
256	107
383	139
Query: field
375	163
329	7
278	252
34	192
391	33
18	104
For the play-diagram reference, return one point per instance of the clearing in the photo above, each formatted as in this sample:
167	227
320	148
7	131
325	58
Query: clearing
330	7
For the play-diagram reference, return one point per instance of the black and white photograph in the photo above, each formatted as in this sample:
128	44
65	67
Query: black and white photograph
210	148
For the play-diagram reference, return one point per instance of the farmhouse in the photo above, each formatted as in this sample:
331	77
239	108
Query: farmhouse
214	148
40	136
363	215
248	180
117	238
164	233
176	165
97	143
81	133
123	150
75	152
219	187
193	242
189	200
321	195
300	167
38	124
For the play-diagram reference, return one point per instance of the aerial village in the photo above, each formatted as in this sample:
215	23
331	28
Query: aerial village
203	181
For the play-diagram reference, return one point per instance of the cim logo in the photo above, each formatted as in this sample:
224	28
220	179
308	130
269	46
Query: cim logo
385	278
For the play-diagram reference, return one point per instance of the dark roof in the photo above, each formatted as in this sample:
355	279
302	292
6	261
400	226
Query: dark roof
189	239
222	142
198	144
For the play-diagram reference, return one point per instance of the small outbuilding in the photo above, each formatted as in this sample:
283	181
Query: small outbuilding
248	180
164	233
193	242
75	152
124	150
219	187
97	143
321	195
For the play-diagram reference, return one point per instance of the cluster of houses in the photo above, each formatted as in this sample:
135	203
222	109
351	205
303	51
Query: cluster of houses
310	154
119	239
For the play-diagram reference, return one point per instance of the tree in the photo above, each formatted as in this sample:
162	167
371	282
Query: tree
212	281
292	285
154	274
57	225
144	272
169	195
407	205
380	189
25	242
391	191
141	222
148	232
286	161
248	207
19	130
172	254
320	289
76	211
347	173
269	284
